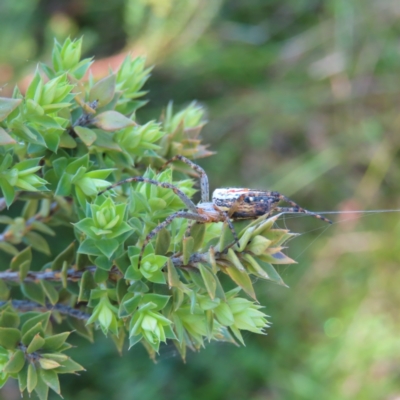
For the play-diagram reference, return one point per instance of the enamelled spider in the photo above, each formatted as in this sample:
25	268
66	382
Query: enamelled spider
227	203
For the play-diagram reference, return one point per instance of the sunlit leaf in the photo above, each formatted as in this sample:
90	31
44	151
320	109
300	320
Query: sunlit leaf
32	378
88	136
5	138
209	280
112	121
103	90
242	279
7	105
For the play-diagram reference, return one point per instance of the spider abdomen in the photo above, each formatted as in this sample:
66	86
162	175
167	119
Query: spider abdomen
247	203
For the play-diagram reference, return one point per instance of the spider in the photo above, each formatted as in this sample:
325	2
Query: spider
227	203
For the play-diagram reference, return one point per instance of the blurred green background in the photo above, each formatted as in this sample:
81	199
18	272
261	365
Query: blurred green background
302	97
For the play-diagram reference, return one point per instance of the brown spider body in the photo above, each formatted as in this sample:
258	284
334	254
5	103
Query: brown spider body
227	203
211	212
249	203
243	203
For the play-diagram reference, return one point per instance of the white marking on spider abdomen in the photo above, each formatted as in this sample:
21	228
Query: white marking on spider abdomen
229	194
224	198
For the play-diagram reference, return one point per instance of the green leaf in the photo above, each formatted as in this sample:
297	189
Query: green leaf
131	304
50	291
47	363
226	237
107	246
261	224
7	105
41	389
33	291
134	340
209	323
254	267
36	343
173	276
64	185
271	272
32	378
86	284
36	83
9	319
68	367
111	121
23	270
277	258
8	192
24	255
4	290
66	141
258	245
209	280
38	242
88	136
187	249
29	336
41	227
88	246
119	340
197	232
8	248
138	287
277	236
64	274
157	204
30	209
66	255
42	318
103	262
53	343
233	258
50	378
242	279
22	378
106	141
122	289
163	241
55	357
9	338
103	90
100	276
15	363
81	329
159	300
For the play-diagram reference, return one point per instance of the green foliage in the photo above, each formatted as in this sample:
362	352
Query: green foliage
66	140
30	353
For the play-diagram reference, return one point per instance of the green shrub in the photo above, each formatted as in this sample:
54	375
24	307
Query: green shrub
63	142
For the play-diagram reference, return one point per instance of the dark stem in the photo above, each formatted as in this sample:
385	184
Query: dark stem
26	305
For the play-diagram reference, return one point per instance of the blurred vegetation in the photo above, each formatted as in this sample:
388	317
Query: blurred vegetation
302	98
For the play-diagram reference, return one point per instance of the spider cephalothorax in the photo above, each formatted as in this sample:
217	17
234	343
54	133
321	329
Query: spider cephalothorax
227	203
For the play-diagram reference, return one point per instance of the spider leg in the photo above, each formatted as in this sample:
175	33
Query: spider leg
297	209
225	216
189	228
164	224
189	204
204	187
235	206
